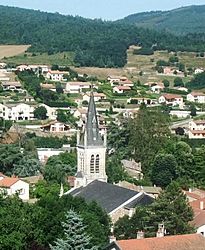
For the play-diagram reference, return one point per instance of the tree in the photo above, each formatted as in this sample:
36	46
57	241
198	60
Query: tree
166	83
193	110
75	236
59	88
27	166
163	170
40	113
115	170
173	59
172	208
178	82
149	132
56	169
9	155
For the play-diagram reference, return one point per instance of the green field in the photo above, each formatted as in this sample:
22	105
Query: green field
64	59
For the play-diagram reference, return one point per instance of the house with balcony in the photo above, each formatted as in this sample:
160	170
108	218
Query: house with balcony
172	100
198	97
56	75
196	129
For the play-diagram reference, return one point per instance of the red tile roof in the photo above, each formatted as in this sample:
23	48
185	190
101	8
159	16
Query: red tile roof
197	94
199	218
178	242
123	87
8	182
171	96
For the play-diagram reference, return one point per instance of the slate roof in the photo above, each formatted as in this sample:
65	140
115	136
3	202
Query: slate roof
93	137
109	196
142	200
177	242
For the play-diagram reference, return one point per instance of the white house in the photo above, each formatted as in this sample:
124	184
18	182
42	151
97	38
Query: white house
157	88
12	86
197	129
97	97
198	71
121	89
10	186
198	97
116	79
17	112
77	87
55	127
56	75
48	86
171	99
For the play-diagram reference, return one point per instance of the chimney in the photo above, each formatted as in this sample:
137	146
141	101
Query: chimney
112	239
161	231
190	190
201	205
140	235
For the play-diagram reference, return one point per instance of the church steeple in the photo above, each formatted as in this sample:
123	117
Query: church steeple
91	136
91	149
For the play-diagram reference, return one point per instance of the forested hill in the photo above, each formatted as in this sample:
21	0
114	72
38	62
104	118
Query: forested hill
179	21
95	42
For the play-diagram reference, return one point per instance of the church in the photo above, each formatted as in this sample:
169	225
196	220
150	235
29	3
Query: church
91	179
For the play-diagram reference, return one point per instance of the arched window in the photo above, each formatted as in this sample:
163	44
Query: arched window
92	164
97	164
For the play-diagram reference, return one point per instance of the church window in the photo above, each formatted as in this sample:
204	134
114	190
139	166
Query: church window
92	164
97	164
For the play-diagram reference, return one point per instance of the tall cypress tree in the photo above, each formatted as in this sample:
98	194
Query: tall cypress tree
75	236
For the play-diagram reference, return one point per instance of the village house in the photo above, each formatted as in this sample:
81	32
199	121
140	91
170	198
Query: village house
29	98
10	186
12	86
171	99
116	79
198	71
198	97
152	191
174	242
129	113
56	75
97	96
22	67
133	168
45	153
155	87
17	112
196	129
55	127
198	222
121	89
77	87
48	86
140	100
125	83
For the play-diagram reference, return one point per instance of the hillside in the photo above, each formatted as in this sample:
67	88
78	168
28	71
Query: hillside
93	42
179	21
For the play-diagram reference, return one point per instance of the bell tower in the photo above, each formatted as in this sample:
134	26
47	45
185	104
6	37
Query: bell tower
91	150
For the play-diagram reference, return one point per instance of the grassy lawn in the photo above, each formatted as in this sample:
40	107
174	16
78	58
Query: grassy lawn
64	59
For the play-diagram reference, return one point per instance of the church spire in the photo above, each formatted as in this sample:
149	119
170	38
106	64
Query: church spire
91	136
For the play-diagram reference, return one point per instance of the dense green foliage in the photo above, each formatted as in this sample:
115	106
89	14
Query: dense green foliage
95	42
184	20
59	167
36	226
75	236
170	208
198	82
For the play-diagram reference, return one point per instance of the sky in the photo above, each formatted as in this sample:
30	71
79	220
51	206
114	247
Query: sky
105	9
